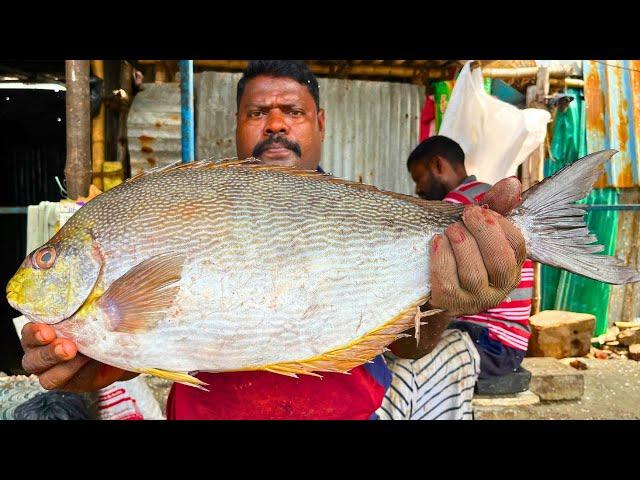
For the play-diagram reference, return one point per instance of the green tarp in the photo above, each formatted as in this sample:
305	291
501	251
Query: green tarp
562	290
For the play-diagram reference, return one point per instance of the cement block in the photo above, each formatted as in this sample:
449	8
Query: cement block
553	380
508	407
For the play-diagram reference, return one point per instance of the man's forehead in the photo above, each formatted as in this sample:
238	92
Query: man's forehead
263	88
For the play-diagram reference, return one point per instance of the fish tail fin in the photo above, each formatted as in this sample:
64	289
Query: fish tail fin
554	228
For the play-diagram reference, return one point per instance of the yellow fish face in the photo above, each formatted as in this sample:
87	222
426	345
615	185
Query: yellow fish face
54	281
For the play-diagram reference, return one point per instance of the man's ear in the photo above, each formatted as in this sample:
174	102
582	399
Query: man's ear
439	164
321	122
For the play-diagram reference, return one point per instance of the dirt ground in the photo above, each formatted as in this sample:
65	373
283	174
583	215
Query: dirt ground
611	392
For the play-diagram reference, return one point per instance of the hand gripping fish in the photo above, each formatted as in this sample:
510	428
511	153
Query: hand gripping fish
228	266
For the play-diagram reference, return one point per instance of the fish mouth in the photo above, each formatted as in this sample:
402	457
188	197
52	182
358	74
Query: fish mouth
11	298
33	317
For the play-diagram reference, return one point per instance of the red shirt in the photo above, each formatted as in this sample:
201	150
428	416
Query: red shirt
268	396
507	322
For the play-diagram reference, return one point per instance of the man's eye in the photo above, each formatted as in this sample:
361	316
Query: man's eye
256	113
296	113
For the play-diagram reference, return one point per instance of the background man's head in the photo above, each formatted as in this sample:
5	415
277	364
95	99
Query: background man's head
437	167
279	119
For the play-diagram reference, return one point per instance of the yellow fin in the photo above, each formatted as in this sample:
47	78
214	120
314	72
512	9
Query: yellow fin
179	377
358	352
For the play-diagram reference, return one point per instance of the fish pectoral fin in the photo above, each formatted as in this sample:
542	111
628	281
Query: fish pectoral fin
179	377
138	300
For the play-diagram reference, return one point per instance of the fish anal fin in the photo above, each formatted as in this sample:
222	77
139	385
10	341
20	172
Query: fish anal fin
358	352
138	300
179	377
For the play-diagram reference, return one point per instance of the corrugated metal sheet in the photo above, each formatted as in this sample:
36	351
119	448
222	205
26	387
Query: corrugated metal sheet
153	127
612	95
215	102
624	302
612	102
371	127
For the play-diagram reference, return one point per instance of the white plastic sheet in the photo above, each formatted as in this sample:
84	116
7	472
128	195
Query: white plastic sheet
495	136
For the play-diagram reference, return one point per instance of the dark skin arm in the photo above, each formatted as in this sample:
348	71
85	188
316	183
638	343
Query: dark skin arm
59	365
475	264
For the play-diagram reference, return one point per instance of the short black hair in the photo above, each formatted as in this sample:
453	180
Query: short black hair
438	145
294	69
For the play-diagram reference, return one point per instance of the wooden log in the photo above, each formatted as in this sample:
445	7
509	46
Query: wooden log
77	170
560	334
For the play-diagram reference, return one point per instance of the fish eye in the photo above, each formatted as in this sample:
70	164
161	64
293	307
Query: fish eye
44	258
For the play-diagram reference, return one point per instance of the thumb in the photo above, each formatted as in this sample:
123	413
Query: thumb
504	195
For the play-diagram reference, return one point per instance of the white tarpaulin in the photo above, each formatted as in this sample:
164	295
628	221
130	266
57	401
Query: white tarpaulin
496	137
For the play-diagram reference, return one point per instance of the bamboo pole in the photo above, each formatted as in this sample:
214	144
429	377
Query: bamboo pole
77	170
97	132
533	168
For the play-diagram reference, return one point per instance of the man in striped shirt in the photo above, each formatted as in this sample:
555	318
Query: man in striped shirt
435	381
501	333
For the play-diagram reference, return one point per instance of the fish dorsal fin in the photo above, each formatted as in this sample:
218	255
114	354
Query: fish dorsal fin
357	352
209	162
138	300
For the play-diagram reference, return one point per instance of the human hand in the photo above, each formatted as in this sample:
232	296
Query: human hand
59	365
477	262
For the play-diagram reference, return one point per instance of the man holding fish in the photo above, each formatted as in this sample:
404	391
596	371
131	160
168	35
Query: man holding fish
474	262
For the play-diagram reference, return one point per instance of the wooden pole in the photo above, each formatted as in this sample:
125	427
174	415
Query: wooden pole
126	92
77	170
533	167
114	171
97	132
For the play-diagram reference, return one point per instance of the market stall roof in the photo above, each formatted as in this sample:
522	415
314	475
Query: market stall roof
518	73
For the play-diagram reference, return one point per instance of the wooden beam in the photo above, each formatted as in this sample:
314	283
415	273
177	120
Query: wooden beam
397	69
556	71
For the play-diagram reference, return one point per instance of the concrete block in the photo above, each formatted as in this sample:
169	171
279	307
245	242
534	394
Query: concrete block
553	380
508	407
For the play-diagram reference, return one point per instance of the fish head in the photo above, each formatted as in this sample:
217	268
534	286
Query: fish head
55	280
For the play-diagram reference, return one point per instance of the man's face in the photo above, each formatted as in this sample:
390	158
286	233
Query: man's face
428	185
278	122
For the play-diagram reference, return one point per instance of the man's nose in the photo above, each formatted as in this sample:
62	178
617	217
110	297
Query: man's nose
276	124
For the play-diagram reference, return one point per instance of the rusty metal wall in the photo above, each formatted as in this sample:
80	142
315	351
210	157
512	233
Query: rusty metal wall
612	103
624	302
153	127
371	127
612	95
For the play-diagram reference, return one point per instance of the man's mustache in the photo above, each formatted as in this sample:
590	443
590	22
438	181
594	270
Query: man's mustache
264	145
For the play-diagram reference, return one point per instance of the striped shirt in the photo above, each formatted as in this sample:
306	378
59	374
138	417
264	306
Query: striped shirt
508	322
438	386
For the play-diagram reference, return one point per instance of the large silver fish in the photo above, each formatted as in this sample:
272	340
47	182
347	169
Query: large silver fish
239	266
